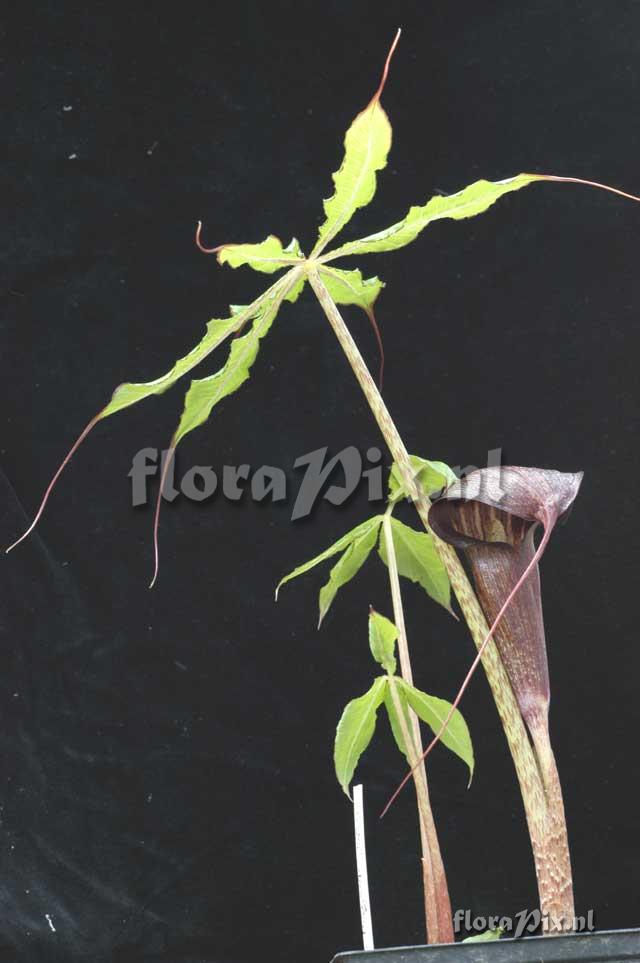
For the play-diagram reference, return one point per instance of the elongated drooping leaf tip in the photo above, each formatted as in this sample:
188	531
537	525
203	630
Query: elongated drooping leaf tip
200	245
385	71
156	515
378	336
52	483
586	183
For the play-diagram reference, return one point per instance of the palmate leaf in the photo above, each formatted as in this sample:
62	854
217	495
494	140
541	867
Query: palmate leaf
418	560
371	524
366	147
434	711
355	731
474	199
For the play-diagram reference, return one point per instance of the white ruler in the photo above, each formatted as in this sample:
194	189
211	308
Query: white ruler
361	863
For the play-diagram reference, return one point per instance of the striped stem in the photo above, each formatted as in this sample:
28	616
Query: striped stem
437	902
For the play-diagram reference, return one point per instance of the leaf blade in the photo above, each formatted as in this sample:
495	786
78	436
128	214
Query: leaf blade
346	568
349	287
419	561
382	641
355	731
394	721
205	393
266	256
366	146
431	475
218	329
339	546
433	711
485	937
470	201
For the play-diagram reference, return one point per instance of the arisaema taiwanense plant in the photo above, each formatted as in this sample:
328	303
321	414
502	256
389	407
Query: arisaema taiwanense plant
367	144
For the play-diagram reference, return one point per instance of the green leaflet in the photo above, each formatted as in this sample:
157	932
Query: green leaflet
339	546
205	393
366	146
349	287
419	561
434	711
431	475
394	722
472	200
355	730
296	290
266	256
485	937
217	330
382	641
346	567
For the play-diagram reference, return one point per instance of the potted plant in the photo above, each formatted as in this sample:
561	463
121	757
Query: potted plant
491	516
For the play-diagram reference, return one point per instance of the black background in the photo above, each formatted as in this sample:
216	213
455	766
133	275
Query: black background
167	783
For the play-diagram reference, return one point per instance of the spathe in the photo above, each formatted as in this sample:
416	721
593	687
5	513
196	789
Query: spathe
493	514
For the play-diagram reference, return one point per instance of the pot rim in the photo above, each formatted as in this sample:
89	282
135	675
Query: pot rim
598	946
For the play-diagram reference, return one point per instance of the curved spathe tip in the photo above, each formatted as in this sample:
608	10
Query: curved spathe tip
499	504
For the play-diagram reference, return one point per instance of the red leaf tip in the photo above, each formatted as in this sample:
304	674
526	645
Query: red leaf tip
200	245
385	71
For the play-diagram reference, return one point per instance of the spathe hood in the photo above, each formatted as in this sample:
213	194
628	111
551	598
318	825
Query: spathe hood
499	504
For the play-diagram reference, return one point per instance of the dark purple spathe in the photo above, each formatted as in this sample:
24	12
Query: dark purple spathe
493	514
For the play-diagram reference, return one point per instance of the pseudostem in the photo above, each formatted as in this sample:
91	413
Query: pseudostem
436	891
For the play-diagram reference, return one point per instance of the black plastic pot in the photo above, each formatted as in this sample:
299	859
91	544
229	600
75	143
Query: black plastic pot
619	946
